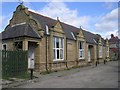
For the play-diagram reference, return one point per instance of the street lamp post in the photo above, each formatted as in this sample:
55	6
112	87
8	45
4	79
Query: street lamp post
118	48
117	44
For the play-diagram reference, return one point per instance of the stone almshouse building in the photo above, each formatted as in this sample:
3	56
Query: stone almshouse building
52	44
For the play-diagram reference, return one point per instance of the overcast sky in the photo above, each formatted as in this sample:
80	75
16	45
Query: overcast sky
96	17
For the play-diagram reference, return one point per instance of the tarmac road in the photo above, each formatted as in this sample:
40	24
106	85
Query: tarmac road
102	76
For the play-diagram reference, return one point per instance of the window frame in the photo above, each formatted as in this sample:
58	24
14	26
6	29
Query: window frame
59	49
81	50
18	45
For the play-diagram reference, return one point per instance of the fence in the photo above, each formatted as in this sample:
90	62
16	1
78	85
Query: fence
14	63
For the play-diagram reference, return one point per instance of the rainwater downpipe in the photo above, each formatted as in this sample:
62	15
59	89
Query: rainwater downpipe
46	54
66	55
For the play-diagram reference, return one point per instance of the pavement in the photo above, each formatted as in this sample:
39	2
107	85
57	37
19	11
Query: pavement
102	76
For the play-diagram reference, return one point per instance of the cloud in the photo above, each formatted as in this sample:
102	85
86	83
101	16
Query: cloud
4	21
105	23
113	15
108	34
109	5
108	23
1	19
55	9
106	26
27	4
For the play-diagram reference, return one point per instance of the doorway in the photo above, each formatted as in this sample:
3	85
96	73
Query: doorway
31	50
90	53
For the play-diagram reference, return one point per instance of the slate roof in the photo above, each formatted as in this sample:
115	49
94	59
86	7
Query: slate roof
43	20
68	29
20	31
90	37
114	40
103	42
27	30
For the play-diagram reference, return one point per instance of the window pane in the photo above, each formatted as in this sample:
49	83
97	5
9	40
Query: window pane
18	45
57	42
81	49
4	47
61	54
80	54
57	54
80	46
61	43
83	53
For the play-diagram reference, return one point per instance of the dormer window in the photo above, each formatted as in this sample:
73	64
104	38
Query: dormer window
95	41
73	35
47	29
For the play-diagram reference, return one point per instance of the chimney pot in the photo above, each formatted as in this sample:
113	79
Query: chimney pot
112	35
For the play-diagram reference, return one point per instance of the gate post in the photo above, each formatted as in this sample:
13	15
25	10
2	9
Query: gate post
31	67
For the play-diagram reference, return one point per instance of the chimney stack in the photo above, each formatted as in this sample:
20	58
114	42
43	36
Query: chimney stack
112	35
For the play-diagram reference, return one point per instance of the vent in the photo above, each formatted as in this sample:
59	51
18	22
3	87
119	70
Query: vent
18	24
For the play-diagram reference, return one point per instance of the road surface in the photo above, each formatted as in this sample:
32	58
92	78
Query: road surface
102	76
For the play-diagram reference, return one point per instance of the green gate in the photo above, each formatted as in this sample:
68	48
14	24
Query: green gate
114	56
14	63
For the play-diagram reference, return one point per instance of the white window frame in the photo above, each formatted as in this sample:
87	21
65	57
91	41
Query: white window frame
100	51
60	48
81	50
3	46
107	51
